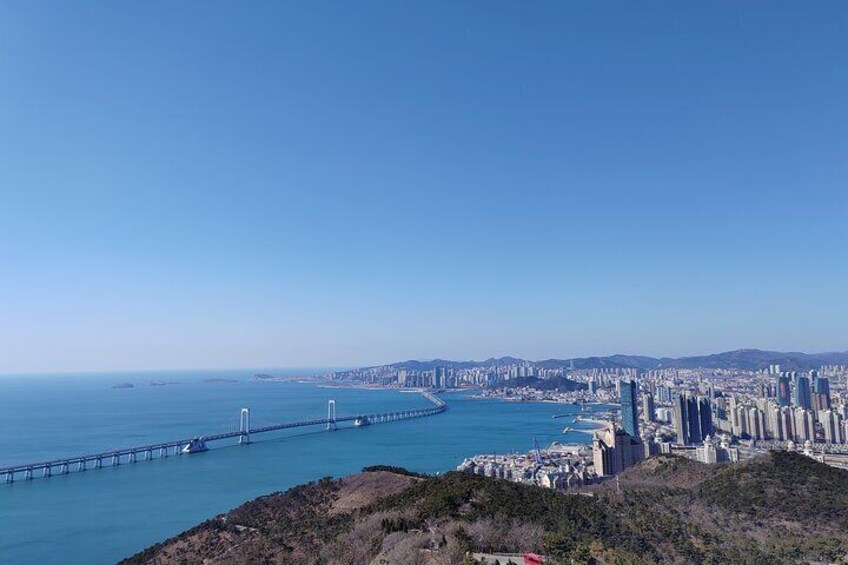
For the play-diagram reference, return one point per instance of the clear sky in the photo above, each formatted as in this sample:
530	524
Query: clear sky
269	184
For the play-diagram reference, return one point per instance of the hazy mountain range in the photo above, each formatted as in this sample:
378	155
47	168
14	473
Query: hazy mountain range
747	359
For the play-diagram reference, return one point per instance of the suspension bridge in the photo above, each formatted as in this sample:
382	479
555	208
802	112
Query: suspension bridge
198	444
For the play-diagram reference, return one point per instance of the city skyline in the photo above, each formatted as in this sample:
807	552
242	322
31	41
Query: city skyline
299	186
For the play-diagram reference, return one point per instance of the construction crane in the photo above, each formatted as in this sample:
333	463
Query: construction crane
537	452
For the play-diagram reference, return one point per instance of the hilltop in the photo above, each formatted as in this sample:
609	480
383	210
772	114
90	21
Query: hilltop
778	508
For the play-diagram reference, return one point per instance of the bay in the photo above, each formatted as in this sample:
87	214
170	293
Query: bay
101	516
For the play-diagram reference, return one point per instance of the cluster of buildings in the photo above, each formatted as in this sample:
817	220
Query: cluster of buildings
447	376
735	414
711	415
796	407
559	467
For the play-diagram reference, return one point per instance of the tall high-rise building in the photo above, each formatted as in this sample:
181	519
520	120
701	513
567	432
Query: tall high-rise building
439	374
784	391
648	407
802	392
832	425
693	420
821	392
705	417
629	415
805	425
615	450
664	394
681	419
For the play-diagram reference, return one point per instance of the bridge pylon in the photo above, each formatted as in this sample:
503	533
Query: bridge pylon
331	415
244	426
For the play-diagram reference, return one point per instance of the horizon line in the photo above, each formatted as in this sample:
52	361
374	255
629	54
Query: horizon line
340	367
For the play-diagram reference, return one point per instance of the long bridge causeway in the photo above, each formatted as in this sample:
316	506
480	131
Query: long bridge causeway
197	444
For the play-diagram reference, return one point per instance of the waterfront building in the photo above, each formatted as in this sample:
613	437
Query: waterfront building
439	377
629	414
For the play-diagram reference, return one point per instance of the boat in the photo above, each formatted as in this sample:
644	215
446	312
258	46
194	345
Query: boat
567	430
196	445
361	421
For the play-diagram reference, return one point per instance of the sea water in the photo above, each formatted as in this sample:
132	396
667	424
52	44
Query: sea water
103	515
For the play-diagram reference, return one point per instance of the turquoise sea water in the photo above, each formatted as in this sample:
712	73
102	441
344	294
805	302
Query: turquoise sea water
100	516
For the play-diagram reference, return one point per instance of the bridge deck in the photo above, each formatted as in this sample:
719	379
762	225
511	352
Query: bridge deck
177	445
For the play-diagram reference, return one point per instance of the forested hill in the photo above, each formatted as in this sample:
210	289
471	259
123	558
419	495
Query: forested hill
779	508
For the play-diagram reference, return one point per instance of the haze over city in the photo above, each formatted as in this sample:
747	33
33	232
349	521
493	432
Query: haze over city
273	185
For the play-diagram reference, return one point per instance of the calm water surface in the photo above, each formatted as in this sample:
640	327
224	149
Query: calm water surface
103	515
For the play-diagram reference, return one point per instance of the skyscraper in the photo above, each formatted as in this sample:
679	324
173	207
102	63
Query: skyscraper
681	420
705	417
648	407
821	390
802	392
784	391
693	420
629	414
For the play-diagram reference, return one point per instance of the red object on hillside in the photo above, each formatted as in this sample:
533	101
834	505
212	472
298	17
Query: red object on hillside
533	559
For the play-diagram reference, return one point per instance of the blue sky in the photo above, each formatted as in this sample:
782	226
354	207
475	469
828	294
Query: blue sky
260	184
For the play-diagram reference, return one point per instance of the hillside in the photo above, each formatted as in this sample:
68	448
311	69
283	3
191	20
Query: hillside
779	508
554	383
745	359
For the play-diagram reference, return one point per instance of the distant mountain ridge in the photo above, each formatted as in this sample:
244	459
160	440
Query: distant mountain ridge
745	359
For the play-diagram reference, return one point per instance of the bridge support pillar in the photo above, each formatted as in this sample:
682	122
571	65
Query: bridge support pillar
244	426
64	468
148	455
331	415
47	472
28	474
81	465
98	463
10	477
163	452
116	460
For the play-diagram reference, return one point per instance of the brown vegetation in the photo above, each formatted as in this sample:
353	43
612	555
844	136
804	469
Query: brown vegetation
780	508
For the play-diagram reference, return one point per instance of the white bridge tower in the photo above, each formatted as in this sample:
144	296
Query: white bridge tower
244	426
331	415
